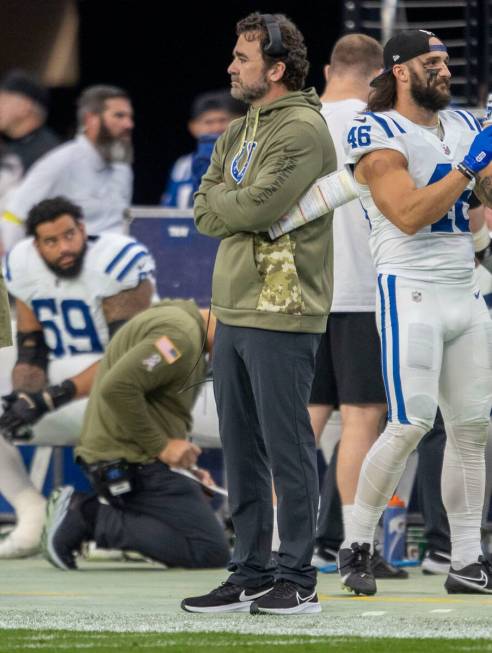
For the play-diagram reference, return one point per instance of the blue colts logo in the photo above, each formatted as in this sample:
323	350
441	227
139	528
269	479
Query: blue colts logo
237	170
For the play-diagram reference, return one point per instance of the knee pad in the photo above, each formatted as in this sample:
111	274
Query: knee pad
401	438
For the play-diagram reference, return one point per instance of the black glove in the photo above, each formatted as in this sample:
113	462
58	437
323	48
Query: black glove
22	409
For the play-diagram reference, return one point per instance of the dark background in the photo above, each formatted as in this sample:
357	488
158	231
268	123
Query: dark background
164	59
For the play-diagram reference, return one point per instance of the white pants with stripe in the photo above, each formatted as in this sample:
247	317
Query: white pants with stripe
436	348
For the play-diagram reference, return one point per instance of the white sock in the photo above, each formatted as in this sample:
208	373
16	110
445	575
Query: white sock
463	487
379	476
347	515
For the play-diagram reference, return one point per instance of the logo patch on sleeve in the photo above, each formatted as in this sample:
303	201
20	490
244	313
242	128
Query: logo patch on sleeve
168	349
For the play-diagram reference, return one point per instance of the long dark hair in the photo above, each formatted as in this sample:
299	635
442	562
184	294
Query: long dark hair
383	94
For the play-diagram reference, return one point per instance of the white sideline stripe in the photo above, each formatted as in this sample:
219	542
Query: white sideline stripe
442	610
373	613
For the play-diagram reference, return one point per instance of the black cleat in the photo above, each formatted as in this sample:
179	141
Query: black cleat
436	562
381	568
65	528
287	597
324	559
354	565
228	597
472	579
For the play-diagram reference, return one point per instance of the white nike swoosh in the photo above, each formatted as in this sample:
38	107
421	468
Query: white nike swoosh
482	581
303	599
251	597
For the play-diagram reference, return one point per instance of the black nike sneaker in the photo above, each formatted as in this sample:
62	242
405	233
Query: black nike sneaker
472	579
435	562
354	565
381	568
287	598
65	528
228	597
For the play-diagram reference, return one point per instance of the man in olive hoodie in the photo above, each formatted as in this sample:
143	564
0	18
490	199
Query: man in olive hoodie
271	299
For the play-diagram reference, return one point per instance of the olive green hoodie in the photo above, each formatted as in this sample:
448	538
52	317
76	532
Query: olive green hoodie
260	167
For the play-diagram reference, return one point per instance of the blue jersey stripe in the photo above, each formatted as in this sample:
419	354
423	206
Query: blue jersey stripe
384	358
382	122
129	266
466	119
477	124
395	336
120	255
8	274
402	131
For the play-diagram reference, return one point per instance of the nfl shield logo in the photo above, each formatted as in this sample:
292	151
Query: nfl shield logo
416	296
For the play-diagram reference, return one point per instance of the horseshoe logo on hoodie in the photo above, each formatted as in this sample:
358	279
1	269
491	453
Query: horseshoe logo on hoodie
239	167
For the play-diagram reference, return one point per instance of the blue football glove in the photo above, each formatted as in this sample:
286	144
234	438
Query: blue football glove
480	152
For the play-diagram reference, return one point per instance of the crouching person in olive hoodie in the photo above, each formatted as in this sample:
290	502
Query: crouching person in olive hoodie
271	299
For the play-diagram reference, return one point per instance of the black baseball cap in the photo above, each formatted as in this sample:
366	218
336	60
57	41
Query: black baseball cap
405	46
216	101
21	82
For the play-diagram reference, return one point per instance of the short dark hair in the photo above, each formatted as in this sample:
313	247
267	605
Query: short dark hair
49	210
93	99
221	100
296	63
358	52
383	93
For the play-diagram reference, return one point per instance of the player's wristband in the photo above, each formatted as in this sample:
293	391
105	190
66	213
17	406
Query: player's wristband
57	395
465	170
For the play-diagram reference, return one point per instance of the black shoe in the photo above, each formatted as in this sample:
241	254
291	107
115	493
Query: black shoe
381	568
472	579
287	598
324	559
354	565
65	528
436	562
228	597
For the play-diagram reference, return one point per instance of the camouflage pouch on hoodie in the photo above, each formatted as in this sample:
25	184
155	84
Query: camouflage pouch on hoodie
281	292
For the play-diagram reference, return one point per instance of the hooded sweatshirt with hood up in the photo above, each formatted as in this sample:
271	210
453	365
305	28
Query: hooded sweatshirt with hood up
260	167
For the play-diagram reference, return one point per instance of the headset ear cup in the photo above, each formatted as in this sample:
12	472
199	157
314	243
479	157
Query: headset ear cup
274	47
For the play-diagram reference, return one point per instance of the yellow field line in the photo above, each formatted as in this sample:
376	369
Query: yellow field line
400	599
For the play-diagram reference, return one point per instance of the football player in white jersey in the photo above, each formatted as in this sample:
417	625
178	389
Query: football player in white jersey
415	165
72	292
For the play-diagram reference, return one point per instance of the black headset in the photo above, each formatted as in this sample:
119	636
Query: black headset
274	47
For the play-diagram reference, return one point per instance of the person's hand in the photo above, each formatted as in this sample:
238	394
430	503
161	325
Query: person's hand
480	152
203	475
20	409
180	453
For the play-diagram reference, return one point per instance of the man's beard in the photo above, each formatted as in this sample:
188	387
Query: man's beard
74	270
113	150
428	95
249	94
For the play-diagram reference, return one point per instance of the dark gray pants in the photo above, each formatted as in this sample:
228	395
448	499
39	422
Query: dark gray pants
166	518
262	384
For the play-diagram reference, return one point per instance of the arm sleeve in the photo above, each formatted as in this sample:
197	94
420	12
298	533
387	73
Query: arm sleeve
293	162
369	132
128	382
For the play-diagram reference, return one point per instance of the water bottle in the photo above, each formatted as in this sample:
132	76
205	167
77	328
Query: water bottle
394	523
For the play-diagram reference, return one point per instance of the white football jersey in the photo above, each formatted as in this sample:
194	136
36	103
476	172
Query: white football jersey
354	276
443	251
70	310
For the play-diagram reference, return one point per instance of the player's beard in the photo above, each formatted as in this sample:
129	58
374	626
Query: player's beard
73	270
113	149
430	95
249	94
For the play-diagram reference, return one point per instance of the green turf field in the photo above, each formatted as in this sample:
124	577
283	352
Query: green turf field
132	606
